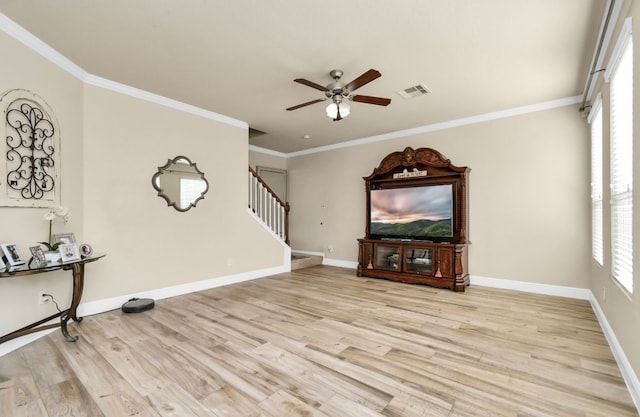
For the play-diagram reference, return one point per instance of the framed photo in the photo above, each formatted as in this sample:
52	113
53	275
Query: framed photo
69	252
2	265
11	255
85	250
38	259
64	238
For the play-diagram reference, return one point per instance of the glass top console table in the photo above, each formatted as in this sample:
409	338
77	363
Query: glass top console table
77	270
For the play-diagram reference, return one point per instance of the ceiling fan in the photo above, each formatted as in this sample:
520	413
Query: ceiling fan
340	92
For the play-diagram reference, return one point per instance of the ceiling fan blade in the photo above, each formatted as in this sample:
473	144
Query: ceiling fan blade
311	84
306	104
365	78
379	101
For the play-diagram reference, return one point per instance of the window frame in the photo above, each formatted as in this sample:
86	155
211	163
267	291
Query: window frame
621	158
595	119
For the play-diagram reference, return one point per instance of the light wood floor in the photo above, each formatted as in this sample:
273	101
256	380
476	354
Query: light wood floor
322	342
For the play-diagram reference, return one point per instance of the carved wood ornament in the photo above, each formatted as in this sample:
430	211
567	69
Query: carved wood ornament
420	159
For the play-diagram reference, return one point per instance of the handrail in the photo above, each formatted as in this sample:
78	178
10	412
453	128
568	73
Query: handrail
268	206
265	185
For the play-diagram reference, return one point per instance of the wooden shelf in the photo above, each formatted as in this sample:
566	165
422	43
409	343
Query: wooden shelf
444	267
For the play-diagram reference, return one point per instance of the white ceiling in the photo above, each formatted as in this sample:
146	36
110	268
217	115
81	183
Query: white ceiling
239	57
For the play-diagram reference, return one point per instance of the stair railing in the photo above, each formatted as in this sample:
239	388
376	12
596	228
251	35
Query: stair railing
268	206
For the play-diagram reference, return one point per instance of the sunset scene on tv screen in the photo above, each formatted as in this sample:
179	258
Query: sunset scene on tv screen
414	211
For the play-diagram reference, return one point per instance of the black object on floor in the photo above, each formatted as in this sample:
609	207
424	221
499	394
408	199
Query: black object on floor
138	305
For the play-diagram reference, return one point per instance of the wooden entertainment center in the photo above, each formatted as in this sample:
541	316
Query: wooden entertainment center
418	230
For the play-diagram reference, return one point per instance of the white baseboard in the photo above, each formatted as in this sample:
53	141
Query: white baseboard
340	263
114	303
100	306
557	290
329	261
14	344
630	377
306	252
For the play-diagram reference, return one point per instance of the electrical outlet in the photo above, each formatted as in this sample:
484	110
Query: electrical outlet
42	298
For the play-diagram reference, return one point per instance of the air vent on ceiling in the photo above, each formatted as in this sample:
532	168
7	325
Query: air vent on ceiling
415	91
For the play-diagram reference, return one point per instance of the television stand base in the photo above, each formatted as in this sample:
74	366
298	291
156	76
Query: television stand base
442	265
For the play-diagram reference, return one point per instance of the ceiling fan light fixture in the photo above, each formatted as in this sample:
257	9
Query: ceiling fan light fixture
339	92
332	110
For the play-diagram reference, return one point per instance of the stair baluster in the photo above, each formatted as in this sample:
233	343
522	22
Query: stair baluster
268	206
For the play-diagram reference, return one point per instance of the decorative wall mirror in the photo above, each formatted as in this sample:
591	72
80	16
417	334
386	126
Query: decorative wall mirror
180	183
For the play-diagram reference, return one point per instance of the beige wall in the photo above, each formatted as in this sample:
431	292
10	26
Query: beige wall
528	195
529	204
152	245
111	146
24	69
262	159
529	201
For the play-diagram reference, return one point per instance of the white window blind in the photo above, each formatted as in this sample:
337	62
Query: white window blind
621	89
597	245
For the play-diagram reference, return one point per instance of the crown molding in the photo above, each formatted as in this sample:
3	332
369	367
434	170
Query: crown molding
25	37
267	151
22	35
501	114
29	40
164	101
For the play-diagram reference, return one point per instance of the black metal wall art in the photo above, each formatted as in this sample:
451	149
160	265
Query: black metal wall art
30	149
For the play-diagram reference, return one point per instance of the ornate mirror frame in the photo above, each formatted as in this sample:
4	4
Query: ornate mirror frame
172	187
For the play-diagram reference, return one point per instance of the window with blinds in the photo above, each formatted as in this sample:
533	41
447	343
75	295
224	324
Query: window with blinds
597	245
621	92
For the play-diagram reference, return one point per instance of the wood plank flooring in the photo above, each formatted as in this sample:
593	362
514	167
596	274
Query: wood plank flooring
320	342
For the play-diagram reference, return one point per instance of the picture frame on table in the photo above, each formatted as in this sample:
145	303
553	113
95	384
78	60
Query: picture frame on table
69	252
64	238
2	265
11	254
38	258
85	250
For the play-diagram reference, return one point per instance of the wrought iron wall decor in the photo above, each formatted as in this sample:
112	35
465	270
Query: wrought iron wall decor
31	150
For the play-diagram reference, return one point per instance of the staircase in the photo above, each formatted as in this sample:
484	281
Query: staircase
301	260
273	212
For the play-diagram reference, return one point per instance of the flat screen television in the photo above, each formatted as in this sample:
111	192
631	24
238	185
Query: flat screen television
418	213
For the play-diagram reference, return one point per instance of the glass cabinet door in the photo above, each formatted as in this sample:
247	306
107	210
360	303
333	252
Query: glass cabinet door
419	260
388	257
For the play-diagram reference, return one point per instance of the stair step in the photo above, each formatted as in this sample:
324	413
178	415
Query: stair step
301	260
